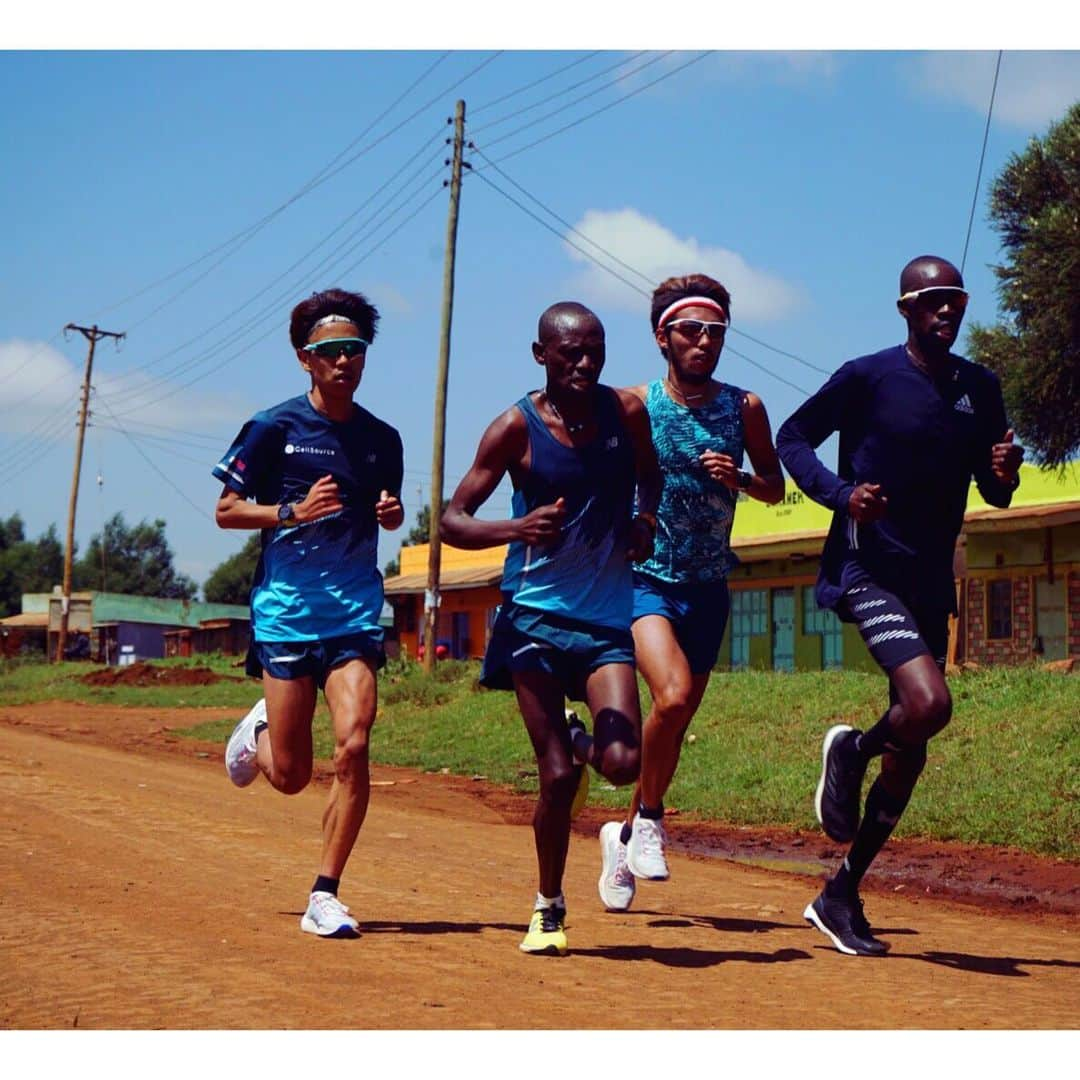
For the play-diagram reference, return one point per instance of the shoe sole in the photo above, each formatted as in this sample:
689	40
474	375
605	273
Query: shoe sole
830	737
343	931
608	906
642	876
547	950
812	917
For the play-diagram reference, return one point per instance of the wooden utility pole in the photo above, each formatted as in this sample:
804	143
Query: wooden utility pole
93	335
438	450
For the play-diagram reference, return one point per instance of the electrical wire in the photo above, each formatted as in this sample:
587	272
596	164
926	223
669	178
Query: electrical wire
535	82
982	159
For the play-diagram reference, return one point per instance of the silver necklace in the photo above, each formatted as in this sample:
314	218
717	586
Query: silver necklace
686	397
572	428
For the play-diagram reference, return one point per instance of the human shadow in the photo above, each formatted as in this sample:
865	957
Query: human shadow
675	957
437	926
722	924
1008	966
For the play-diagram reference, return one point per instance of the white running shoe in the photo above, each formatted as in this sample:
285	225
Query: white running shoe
617	884
645	852
327	916
240	749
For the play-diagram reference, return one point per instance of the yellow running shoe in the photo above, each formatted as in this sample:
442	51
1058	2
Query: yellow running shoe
546	936
581	796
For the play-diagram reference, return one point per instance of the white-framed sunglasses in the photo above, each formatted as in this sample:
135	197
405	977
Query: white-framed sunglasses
956	293
693	328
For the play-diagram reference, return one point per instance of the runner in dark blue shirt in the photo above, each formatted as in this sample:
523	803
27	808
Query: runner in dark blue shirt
574	451
916	423
318	474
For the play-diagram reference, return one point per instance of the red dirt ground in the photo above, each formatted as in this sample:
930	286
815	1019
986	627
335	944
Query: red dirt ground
168	898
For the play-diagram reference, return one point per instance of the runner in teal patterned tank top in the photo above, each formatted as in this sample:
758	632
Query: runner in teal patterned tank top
701	428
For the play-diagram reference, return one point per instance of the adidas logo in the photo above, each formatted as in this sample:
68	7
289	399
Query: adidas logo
964	405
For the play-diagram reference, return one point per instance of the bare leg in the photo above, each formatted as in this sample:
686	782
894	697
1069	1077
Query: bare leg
676	694
283	749
351	693
611	693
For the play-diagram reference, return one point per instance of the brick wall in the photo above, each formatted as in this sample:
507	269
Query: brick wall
1016	649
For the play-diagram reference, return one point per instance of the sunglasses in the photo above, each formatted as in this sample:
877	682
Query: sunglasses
332	348
693	328
934	296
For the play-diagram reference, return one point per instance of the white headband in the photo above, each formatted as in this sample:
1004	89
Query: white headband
327	319
685	302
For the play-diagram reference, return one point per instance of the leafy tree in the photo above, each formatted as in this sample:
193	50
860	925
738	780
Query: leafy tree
1035	351
138	561
230	581
27	566
420	533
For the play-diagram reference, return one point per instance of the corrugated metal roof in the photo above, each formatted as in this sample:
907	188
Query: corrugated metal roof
28	619
474	577
1014	518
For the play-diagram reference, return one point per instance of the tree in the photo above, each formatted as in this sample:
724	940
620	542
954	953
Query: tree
1035	208
137	561
420	533
27	566
230	582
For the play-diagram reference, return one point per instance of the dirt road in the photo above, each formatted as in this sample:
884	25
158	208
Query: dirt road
141	890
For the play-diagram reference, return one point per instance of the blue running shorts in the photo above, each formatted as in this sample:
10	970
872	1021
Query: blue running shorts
314	659
527	639
698	613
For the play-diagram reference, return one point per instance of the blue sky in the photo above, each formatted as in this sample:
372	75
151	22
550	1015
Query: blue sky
163	194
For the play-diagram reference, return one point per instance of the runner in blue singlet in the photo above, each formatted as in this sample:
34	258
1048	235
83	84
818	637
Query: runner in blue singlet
700	427
575	452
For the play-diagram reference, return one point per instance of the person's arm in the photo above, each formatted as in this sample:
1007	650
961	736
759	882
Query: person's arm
502	449
767	480
997	474
388	510
808	427
650	480
235	511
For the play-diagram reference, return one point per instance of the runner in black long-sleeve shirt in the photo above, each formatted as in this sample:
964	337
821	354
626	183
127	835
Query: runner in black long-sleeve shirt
916	423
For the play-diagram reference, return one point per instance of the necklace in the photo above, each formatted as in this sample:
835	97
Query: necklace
687	398
572	428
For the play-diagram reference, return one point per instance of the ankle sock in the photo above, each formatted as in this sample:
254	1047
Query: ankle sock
650	813
543	901
626	833
326	884
260	727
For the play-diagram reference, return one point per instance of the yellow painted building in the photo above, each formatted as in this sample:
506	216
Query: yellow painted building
1017	570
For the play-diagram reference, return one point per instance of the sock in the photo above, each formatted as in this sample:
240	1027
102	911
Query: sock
580	743
650	813
326	884
878	739
626	832
543	901
882	813
260	727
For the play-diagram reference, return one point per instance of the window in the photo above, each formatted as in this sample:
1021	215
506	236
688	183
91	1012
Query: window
999	608
749	618
824	622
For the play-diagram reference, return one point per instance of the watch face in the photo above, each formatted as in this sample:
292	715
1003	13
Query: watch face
285	511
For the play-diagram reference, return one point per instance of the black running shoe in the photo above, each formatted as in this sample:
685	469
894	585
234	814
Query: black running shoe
841	919
840	787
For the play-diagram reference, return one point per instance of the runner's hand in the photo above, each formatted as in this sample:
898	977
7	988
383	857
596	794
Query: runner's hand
323	498
867	504
721	468
1005	458
388	510
544	524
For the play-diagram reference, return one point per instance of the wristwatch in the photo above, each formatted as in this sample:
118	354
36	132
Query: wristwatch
743	479
286	514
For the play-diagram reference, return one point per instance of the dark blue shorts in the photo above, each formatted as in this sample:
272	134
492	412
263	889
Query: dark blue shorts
526	639
698	613
312	659
894	632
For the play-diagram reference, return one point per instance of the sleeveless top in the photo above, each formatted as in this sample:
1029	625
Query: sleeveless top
584	575
693	522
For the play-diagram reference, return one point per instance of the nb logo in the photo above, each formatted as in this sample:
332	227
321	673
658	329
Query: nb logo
613	442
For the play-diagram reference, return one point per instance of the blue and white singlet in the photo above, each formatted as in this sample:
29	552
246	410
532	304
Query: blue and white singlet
694	519
585	575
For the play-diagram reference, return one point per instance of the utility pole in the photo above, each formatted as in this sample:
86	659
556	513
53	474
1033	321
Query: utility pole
93	335
438	451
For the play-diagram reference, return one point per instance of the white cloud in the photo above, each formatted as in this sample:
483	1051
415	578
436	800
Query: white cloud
657	253
1034	88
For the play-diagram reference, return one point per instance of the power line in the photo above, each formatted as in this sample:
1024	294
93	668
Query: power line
982	158
535	82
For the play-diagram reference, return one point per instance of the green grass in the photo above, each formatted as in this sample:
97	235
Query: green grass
1006	770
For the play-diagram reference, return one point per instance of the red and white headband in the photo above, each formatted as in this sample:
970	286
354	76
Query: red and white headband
689	301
